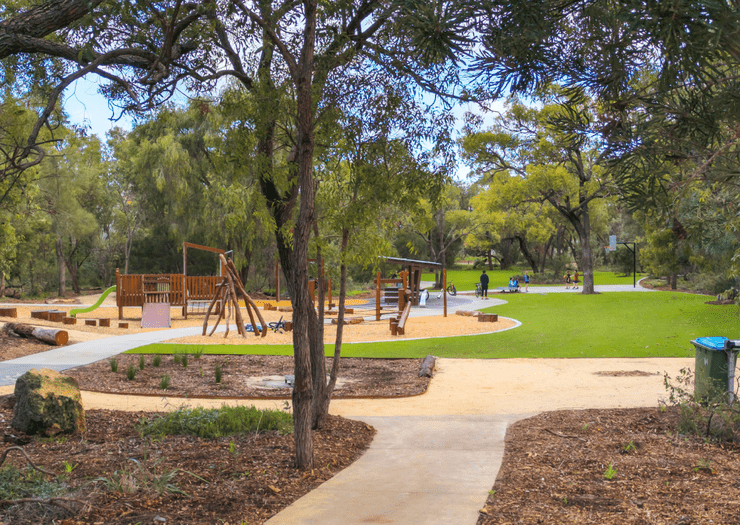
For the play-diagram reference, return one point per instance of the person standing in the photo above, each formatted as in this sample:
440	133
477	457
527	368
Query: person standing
526	281
484	285
567	280
575	280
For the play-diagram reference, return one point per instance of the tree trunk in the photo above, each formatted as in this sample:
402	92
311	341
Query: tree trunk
50	336
587	264
321	403
527	255
62	268
505	253
673	280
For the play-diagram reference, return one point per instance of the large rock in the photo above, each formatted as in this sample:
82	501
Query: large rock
47	403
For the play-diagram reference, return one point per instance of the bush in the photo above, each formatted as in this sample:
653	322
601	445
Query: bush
130	372
185	360
142	362
197	352
218	373
714	416
177	357
216	422
157	360
164	383
114	365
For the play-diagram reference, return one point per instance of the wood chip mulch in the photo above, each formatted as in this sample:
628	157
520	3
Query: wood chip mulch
554	470
242	479
241	377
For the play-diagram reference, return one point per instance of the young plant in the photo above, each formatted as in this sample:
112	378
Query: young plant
218	373
130	372
164	383
629	447
610	472
185	360
157	360
198	352
177	357
142	362
114	365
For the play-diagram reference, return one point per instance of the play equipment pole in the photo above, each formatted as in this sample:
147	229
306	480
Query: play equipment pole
377	297
444	289
277	279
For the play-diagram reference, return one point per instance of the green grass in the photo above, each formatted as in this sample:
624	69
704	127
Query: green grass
465	279
657	324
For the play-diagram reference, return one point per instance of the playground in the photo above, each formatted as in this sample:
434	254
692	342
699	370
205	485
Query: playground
570	449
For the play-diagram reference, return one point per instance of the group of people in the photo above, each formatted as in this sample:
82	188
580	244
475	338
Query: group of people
568	280
513	283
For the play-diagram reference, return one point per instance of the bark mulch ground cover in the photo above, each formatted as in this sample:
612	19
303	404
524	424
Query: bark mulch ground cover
113	476
245	376
614	467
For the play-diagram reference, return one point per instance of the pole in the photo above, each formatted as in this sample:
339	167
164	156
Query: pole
444	290
634	265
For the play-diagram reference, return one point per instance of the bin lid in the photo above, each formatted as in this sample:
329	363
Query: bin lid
713	343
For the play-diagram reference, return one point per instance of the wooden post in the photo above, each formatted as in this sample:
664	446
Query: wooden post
401	300
444	290
377	297
118	294
277	280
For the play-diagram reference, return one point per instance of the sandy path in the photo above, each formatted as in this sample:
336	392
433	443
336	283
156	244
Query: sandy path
479	387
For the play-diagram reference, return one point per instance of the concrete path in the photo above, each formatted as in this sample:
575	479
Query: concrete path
419	470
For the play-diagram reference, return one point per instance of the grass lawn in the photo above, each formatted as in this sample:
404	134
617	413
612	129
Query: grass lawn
657	324
465	279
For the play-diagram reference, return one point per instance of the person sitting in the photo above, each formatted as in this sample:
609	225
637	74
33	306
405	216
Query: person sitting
512	283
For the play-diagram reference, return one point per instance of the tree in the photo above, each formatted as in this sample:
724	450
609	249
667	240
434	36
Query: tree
303	48
507	220
552	148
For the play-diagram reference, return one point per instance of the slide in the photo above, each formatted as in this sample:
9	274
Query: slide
75	311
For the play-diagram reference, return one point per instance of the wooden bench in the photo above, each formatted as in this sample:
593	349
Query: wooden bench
40	314
123	325
56	316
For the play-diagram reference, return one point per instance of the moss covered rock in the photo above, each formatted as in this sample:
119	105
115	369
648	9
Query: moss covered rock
47	403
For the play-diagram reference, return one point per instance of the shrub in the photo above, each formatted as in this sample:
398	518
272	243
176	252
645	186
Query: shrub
711	416
157	360
218	373
164	383
216	422
177	357
114	365
142	362
130	372
185	360
198	352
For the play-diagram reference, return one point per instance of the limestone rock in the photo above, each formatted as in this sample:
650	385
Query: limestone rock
47	403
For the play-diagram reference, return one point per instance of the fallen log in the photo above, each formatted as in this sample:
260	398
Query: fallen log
427	366
50	336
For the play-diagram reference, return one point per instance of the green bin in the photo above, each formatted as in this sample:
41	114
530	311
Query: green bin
711	365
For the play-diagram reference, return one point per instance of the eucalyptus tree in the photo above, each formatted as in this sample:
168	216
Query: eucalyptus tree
553	150
306	48
665	74
505	219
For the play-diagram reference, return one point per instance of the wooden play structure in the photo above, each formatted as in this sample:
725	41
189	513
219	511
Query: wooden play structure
404	291
228	293
192	293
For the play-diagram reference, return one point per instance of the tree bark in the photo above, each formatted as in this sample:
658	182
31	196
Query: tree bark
62	268
50	336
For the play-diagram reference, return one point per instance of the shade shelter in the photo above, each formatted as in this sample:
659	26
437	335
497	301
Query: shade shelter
414	268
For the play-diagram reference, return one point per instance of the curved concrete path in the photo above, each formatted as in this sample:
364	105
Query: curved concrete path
435	456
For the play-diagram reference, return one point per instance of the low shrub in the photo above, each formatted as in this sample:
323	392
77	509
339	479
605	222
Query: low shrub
114	365
164	383
130	372
216	422
157	360
142	362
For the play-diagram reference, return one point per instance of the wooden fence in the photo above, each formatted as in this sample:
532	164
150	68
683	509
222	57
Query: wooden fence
173	288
